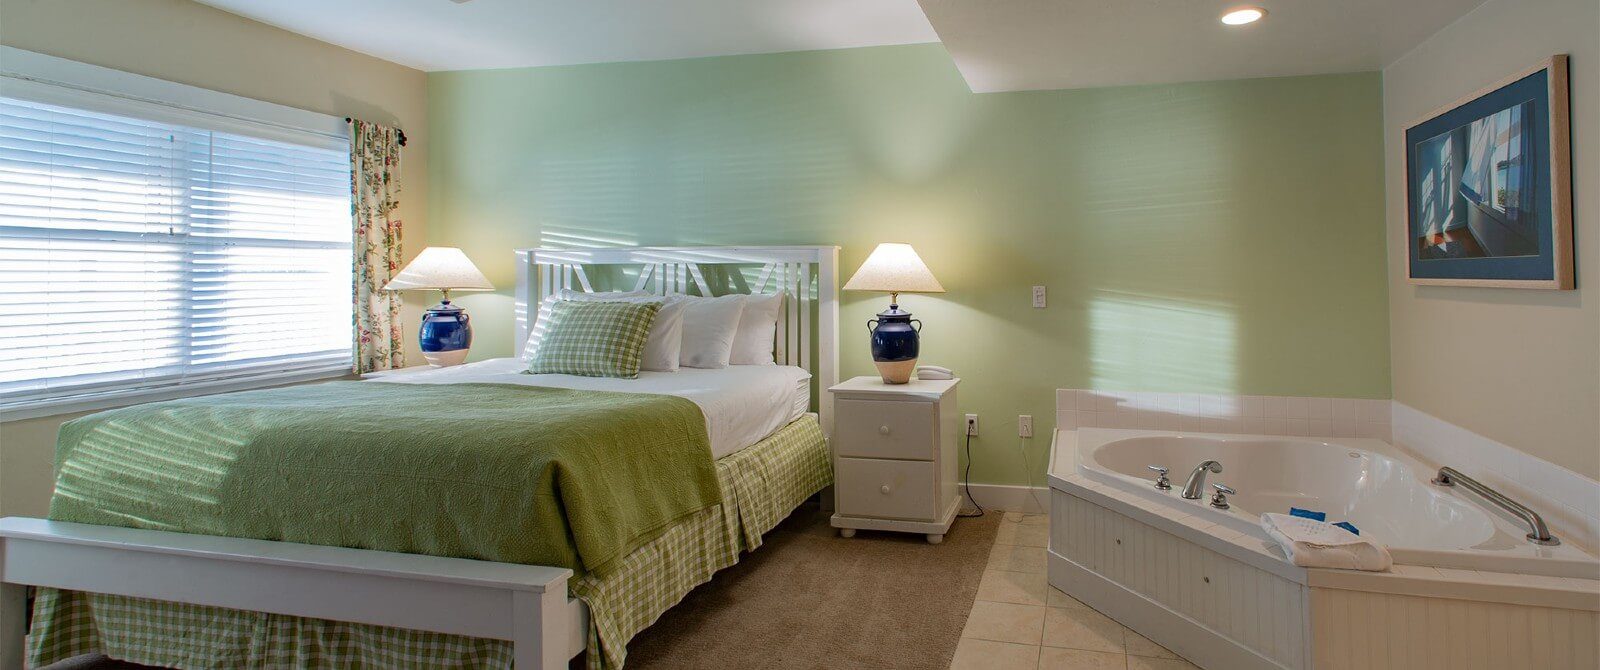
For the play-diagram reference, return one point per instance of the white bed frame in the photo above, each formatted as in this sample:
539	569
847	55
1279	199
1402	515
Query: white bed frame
524	604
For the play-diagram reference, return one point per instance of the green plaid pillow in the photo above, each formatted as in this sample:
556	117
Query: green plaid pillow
594	339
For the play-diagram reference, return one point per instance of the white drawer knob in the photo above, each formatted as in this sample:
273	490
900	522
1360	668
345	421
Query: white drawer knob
884	489
883	430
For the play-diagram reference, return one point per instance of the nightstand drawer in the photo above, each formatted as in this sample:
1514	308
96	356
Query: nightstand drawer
885	429
886	489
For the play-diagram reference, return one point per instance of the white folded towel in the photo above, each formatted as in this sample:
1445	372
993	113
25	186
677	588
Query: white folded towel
1314	544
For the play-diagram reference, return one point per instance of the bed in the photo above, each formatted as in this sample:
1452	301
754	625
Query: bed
450	587
742	404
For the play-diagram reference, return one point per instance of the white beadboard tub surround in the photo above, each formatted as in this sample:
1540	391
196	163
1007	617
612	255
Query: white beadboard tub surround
1355	629
1228	599
1199	599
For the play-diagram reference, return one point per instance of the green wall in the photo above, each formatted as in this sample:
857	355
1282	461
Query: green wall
1222	236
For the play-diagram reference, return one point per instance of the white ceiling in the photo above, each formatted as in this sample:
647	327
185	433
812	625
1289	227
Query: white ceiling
443	35
999	45
1046	44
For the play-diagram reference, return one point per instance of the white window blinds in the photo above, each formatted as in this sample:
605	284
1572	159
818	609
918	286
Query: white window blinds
137	252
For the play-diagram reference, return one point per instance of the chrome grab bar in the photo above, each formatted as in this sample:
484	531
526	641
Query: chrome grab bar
1449	476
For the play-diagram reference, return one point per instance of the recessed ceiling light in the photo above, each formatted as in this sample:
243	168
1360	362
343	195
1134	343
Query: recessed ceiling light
1243	15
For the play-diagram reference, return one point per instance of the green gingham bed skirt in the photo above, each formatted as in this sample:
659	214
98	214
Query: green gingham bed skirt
761	485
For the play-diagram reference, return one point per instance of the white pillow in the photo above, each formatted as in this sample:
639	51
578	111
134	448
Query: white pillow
542	320
662	346
709	326
758	326
665	346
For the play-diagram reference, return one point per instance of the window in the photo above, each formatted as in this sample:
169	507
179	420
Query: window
146	248
1498	169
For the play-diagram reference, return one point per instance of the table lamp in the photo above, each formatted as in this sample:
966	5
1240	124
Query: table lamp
894	269
446	332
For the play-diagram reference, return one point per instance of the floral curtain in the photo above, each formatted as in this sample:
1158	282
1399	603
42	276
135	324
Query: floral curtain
374	196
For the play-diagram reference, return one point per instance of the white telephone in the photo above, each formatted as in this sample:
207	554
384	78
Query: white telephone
934	372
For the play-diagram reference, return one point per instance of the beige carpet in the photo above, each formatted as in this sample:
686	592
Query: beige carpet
811	599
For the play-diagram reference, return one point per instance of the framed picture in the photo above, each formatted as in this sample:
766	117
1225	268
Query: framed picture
1489	186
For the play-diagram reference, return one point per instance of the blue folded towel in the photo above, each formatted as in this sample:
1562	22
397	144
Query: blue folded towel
1308	514
1348	526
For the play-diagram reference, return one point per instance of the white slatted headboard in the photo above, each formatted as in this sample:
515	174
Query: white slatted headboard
808	275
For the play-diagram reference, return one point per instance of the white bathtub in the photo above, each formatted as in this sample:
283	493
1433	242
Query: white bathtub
1381	490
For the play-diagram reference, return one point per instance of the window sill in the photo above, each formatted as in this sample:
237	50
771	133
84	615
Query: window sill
125	397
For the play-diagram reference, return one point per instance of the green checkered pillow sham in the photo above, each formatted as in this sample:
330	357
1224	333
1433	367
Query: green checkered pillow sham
594	339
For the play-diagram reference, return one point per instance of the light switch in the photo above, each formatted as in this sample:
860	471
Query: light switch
1038	296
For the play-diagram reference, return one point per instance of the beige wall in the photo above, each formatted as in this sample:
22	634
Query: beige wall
1521	367
194	44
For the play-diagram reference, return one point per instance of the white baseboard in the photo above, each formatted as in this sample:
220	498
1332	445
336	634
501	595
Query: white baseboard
1008	497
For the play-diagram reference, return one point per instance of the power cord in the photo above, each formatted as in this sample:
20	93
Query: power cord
1027	474
966	476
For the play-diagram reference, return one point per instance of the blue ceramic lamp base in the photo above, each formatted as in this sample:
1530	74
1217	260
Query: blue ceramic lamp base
446	335
895	344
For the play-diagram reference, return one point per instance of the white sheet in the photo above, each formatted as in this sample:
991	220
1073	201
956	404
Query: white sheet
742	403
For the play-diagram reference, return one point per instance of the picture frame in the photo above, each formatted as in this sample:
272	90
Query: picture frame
1489	186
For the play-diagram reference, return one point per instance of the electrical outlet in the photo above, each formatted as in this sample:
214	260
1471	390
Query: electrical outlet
972	424
1038	297
1025	425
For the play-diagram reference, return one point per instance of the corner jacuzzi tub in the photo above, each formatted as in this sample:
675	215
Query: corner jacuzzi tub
1382	491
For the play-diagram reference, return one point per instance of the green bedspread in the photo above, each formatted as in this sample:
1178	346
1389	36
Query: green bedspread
760	484
496	472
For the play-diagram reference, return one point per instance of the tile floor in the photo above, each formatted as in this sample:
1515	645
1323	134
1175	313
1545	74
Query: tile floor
1020	622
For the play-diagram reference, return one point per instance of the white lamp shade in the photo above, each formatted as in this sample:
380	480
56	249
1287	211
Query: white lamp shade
444	268
894	268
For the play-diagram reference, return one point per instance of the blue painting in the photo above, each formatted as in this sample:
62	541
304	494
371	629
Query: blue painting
1489	187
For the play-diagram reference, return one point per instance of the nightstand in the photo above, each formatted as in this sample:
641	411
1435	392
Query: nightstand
894	456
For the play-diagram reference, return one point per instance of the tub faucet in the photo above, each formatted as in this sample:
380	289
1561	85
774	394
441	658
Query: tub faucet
1161	477
1197	479
1219	499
